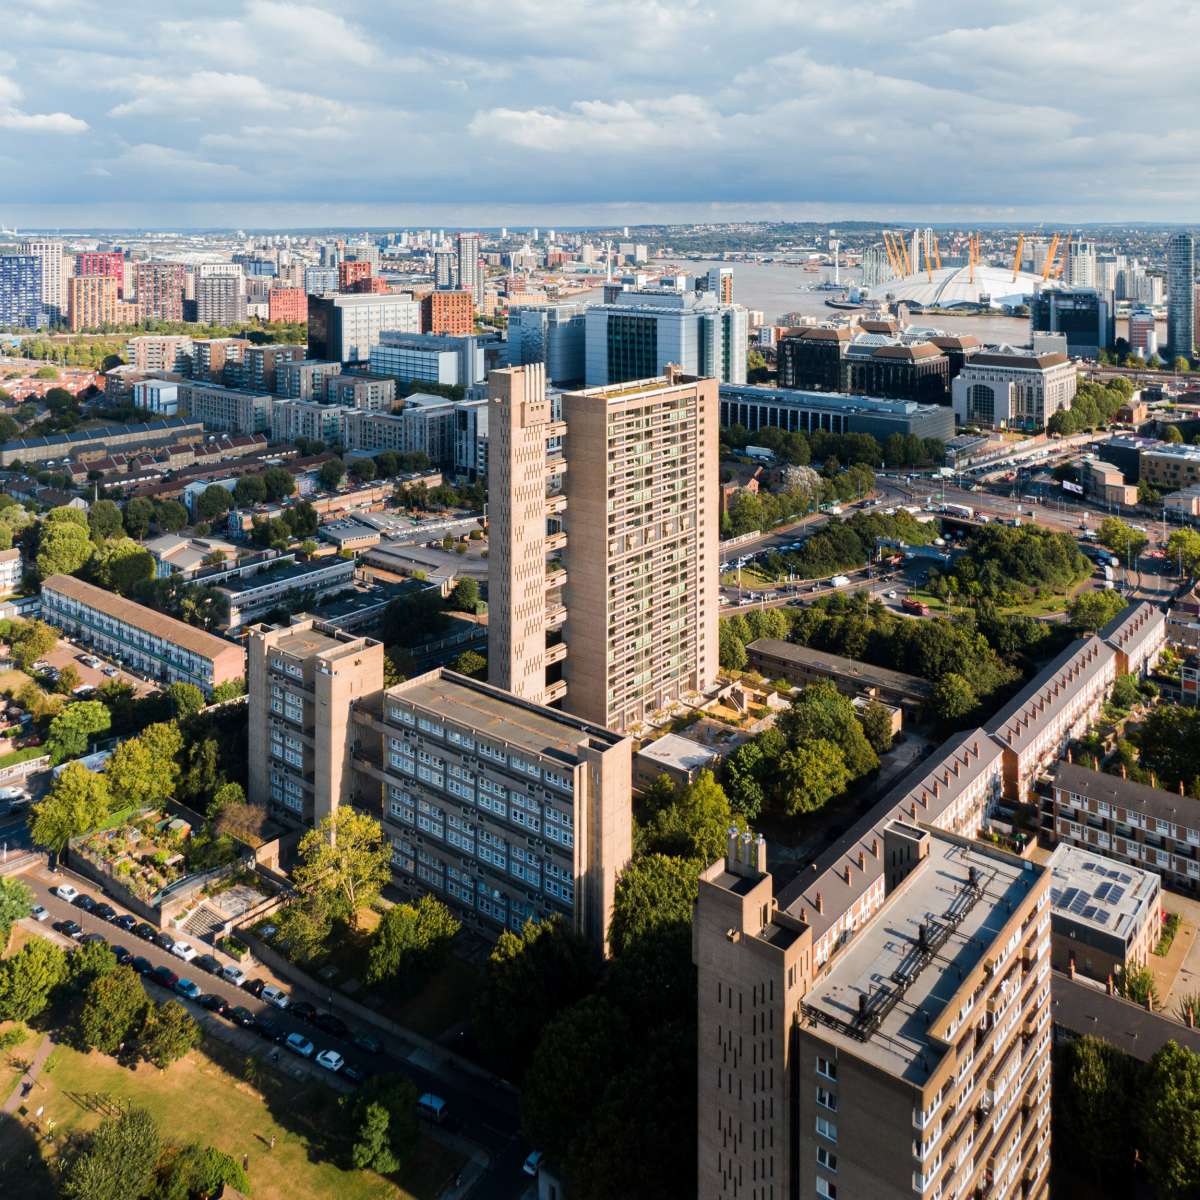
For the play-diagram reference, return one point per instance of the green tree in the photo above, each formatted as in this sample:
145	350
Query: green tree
64	549
820	711
104	521
744	772
363	469
372	1150
77	802
170	516
811	775
1121	538
32	641
876	720
346	860
123	566
1090	611
1183	549
200	1171
529	978
471	663
138	517
16	902
28	978
1137	984
304	928
1125	693
412	940
465	596
571	1068
114	1007
91	961
185	700
1172	435
119	1159
64	514
249	491
215	501
731	649
278	483
653	892
223	797
332	473
302	519
1169	1120
384	1145
167	1034
74	727
696	824
954	697
231	689
1094	1085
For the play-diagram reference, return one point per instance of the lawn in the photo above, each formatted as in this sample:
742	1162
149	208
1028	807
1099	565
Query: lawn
12	1060
199	1098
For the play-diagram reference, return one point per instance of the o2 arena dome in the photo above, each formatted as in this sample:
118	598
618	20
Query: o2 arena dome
952	286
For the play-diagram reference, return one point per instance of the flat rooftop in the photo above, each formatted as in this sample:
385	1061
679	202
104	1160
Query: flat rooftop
908	988
314	640
673	750
864	674
497	714
1099	893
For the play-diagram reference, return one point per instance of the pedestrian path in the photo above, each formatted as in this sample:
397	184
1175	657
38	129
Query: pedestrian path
26	1082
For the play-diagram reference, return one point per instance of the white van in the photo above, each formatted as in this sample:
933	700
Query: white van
432	1107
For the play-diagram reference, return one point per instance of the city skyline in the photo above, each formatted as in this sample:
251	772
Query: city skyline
679	113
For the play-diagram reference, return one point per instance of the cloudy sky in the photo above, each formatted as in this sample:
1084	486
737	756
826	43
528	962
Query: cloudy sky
269	112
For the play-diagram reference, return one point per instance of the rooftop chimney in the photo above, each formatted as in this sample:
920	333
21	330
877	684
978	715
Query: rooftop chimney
820	903
862	860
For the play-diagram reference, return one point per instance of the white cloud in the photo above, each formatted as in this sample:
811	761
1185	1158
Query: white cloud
14	118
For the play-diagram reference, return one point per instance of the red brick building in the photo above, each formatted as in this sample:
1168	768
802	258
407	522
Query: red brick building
351	272
287	304
447	313
108	263
372	283
160	291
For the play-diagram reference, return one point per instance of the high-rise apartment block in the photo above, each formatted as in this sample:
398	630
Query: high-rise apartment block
287	304
20	291
350	273
552	334
506	809
91	302
344	328
448	312
159	352
470	267
103	262
916	1062
54	275
445	269
220	294
160	288
305	378
1081	265
637	335
603	555
1181	294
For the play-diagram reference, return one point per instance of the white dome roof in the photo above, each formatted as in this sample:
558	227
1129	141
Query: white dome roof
952	285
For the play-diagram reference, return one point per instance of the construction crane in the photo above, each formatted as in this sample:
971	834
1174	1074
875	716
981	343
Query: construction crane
1017	256
1048	265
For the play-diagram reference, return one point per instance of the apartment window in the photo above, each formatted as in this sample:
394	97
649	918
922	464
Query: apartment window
827	1067
825	1189
826	1159
827	1099
827	1129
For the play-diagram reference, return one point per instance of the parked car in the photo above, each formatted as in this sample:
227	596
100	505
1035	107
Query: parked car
185	987
71	928
184	950
163	940
126	922
368	1042
297	1043
242	1016
233	974
39	912
105	912
331	1060
213	1003
275	996
84	901
165	976
533	1162
88	938
302	1009
328	1023
354	1074
255	986
145	931
143	966
122	955
432	1108
269	1029
206	962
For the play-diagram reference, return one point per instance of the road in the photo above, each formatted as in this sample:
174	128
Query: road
485	1114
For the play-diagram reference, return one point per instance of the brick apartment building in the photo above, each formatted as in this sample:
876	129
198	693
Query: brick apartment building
287	304
449	312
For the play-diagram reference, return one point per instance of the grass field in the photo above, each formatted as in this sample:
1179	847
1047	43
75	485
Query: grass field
203	1098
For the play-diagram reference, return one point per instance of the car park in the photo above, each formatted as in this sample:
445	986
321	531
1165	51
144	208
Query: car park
39	912
188	989
331	1060
165	976
145	931
126	922
206	962
105	912
274	996
297	1043
233	974
183	950
85	902
143	966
